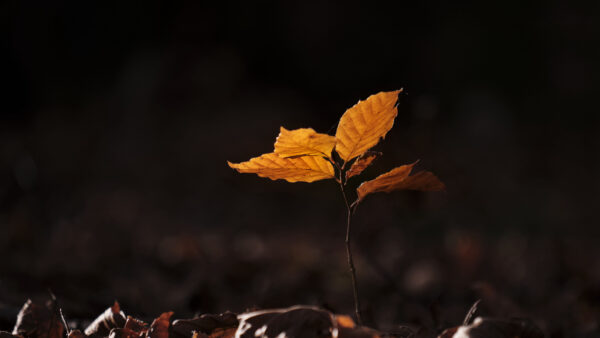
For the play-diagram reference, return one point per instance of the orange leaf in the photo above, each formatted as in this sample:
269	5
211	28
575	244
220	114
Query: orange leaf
160	326
399	179
296	169
303	142
362	126
362	163
345	321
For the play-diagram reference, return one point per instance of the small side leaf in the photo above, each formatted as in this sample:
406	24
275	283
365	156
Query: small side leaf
303	142
400	179
362	163
362	126
295	169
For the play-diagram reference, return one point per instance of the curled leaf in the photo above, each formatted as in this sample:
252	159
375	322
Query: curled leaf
362	126
362	163
205	324
110	319
495	327
295	169
135	325
300	321
400	179
303	142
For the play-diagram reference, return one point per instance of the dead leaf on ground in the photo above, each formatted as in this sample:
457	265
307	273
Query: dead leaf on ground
299	321
495	328
135	325
362	126
223	333
297	169
362	163
400	179
77	334
38	321
207	324
123	333
110	319
160	326
303	142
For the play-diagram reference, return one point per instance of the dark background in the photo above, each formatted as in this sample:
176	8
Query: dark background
117	121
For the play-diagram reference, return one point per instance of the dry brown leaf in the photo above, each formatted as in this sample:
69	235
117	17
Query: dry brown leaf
296	169
362	163
160	326
38	321
495	327
205	324
399	179
303	142
124	333
300	321
110	319
223	333
362	126
135	325
76	334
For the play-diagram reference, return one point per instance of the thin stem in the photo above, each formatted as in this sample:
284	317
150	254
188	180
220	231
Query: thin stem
349	254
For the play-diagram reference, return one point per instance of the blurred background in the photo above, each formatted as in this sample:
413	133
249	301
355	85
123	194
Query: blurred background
117	121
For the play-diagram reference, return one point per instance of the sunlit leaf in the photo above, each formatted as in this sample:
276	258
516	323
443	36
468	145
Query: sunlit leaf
110	319
303	142
400	179
362	126
294	169
362	163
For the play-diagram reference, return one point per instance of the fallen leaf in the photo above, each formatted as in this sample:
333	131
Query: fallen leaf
123	333
110	319
362	126
160	326
296	321
76	334
399	179
303	142
206	324
135	325
296	169
223	333
362	163
38	321
495	328
299	321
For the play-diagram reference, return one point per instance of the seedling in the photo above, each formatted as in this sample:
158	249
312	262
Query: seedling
303	155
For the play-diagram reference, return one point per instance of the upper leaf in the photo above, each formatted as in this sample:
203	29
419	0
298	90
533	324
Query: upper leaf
303	142
362	126
399	179
294	169
362	163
